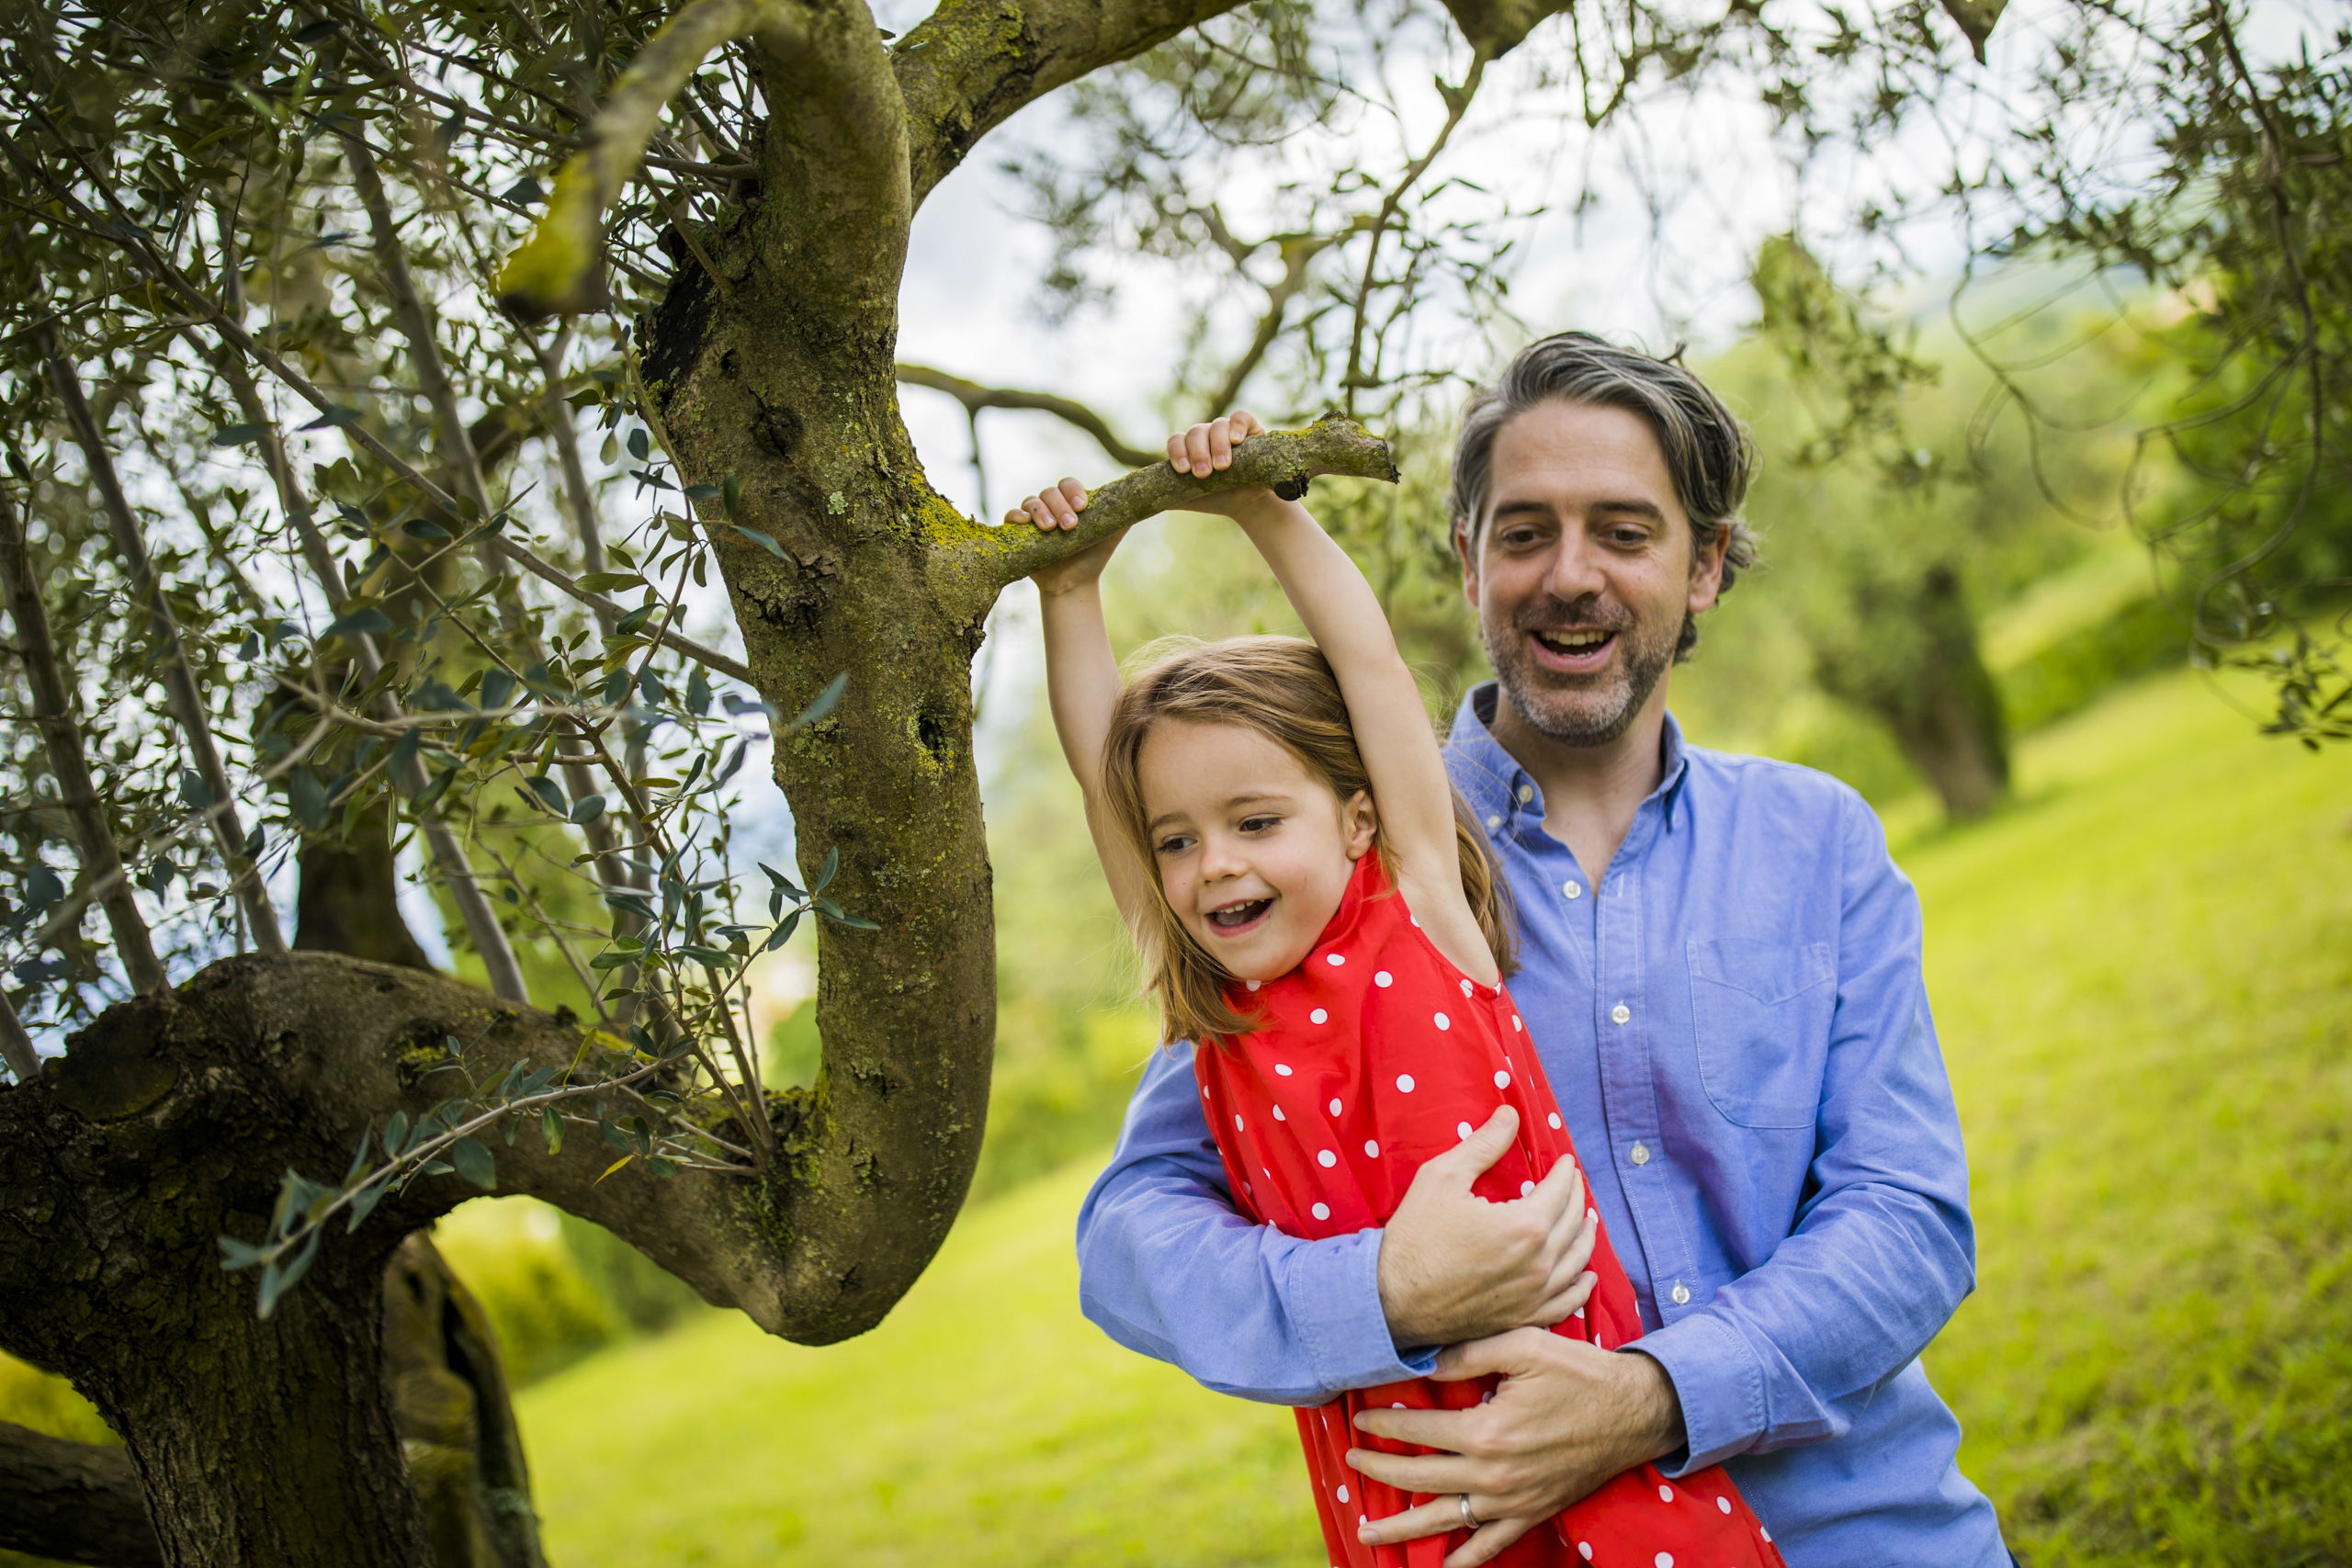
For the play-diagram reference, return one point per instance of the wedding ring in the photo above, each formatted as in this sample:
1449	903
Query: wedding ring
1469	1519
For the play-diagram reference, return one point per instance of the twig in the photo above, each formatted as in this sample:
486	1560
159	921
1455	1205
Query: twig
976	397
179	681
53	707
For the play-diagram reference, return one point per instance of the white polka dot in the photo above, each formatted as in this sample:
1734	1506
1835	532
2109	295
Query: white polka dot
1664	1560
1723	1504
1317	1016
1584	1549
1397	1405
1335	959
1555	1119
1765	1533
1403	1083
1383	979
1335	1108
1515	1023
1503	1081
1344	1492
1466	987
1278	1114
1371	1149
1236	1122
1666	1493
1443	1021
1321	1210
1525	1188
1265	1172
1461	1129
1327	1159
1253	985
1281	1069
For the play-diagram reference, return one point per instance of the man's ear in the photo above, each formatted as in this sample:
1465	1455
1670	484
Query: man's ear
1707	571
1466	553
1359	824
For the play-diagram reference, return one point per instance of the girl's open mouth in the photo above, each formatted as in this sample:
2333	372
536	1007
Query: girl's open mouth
1236	917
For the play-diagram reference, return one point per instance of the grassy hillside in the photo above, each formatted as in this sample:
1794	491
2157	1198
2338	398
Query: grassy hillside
2142	975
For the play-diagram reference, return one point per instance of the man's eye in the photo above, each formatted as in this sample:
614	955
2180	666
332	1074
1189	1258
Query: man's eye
1629	537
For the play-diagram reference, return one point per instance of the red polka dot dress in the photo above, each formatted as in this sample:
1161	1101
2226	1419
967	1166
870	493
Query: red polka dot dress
1372	1055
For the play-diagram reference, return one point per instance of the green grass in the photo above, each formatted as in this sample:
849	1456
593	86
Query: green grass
2142	972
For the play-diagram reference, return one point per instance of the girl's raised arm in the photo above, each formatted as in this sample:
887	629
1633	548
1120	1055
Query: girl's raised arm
1414	796
1082	680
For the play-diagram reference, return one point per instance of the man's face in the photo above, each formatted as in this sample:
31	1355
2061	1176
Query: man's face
1583	571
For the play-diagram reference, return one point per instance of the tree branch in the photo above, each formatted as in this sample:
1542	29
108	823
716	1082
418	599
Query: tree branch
16	1046
974	397
558	270
179	682
1282	460
73	1502
53	712
972	63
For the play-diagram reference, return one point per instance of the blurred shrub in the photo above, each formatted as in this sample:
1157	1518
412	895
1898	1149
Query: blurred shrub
33	1398
647	1297
512	1254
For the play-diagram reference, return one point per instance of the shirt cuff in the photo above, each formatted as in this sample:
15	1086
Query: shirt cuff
1331	1289
1721	1386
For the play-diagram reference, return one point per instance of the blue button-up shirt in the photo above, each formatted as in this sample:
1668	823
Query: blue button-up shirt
1739	1034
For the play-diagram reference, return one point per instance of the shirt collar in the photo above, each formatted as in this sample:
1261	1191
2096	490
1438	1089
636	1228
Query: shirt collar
1497	788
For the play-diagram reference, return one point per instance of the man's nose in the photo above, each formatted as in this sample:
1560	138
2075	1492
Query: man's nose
1576	568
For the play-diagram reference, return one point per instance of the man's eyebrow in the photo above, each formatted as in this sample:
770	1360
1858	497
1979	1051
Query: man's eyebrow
1639	508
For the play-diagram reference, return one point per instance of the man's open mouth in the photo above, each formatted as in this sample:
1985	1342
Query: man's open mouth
1239	917
1581	646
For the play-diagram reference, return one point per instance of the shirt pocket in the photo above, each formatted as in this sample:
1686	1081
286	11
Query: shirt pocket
1760	1011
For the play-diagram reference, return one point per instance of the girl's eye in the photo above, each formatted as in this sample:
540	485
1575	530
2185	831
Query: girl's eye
1258	824
1174	844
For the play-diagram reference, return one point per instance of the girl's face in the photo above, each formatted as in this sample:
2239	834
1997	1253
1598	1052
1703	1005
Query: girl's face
1252	851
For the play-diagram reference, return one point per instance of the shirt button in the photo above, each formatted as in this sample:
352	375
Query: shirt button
1494	821
1641	1155
1526	792
1620	1013
1681	1294
1571	890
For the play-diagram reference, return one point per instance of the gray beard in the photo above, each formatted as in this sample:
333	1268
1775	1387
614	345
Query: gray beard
1577	723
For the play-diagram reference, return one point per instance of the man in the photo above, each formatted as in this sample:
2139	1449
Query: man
1721	969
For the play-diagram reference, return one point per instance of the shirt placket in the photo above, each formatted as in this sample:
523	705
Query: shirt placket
1626	1025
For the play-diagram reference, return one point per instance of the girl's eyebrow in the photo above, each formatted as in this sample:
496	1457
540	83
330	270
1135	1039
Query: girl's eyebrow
1239	800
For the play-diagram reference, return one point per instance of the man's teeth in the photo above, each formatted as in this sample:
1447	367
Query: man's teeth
1573	642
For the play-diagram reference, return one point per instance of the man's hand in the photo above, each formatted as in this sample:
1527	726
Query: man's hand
1455	1267
1566	1418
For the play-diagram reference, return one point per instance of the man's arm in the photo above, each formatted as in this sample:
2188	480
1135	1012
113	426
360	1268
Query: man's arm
1882	1250
1169	1269
1167	1266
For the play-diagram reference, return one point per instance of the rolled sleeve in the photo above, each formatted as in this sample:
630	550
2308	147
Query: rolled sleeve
1167	1268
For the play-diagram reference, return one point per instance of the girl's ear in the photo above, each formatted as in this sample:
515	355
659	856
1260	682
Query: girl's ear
1359	823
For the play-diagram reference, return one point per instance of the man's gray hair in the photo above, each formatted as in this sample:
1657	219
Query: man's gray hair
1708	450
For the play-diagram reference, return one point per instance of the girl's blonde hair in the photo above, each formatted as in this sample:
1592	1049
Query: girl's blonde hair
1282	688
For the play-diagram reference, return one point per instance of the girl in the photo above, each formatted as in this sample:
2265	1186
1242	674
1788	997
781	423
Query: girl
1315	909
